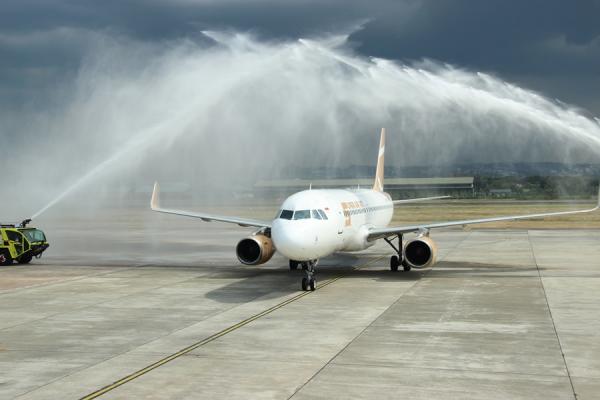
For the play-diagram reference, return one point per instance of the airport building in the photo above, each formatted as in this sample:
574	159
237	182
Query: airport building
458	187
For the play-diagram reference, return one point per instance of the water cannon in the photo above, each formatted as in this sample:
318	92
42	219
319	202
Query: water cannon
24	223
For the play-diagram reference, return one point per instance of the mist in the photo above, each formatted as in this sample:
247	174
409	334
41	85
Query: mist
224	109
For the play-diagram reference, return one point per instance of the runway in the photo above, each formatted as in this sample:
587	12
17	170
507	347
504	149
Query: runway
164	311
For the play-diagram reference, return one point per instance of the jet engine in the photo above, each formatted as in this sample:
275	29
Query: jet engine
420	252
255	249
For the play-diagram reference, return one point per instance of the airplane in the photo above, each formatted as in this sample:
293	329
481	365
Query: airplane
315	223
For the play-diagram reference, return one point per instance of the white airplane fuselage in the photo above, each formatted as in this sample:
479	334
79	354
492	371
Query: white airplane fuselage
317	223
350	214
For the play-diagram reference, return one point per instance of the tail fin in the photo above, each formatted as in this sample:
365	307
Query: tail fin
378	185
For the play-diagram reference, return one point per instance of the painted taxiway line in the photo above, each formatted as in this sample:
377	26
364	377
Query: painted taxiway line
215	336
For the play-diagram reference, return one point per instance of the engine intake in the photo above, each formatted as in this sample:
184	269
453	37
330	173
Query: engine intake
420	252
255	249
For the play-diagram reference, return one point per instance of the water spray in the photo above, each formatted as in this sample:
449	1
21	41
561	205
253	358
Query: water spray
268	97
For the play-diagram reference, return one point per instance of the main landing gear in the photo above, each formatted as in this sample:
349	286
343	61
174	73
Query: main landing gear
309	282
397	260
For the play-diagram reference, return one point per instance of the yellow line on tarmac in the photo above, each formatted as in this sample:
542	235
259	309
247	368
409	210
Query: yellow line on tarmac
209	339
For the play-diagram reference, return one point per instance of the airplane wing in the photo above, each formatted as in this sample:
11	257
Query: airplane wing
379	233
155	206
420	199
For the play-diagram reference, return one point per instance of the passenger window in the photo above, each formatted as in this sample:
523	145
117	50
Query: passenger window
286	214
315	214
323	215
302	214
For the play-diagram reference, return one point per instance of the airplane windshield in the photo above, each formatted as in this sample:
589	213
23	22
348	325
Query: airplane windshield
286	214
302	214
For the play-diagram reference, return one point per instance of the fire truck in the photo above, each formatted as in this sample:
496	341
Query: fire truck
20	243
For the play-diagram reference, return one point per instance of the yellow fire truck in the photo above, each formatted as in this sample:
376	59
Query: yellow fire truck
21	243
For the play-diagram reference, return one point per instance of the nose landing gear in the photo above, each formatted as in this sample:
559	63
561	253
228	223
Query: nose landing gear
309	282
398	260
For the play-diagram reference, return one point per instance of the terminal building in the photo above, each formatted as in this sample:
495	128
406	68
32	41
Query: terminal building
398	188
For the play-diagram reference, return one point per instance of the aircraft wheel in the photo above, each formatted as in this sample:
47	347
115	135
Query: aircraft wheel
313	285
5	258
25	259
293	265
406	266
394	263
304	284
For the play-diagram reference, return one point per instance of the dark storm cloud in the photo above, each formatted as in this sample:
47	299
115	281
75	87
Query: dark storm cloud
169	19
42	42
543	36
552	46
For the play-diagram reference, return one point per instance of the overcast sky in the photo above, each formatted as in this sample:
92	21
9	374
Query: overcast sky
552	46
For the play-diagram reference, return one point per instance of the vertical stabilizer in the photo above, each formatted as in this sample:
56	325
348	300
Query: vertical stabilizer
378	185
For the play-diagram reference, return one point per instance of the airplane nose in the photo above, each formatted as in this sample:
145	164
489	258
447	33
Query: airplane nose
294	240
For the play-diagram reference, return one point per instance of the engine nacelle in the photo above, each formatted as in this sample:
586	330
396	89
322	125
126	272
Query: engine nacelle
420	252
255	249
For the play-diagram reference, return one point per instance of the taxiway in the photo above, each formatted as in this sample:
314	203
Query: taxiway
165	311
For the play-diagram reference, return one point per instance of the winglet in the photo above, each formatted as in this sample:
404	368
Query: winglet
378	184
155	202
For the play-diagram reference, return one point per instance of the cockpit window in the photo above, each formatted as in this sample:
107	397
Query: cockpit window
286	214
323	215
302	214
